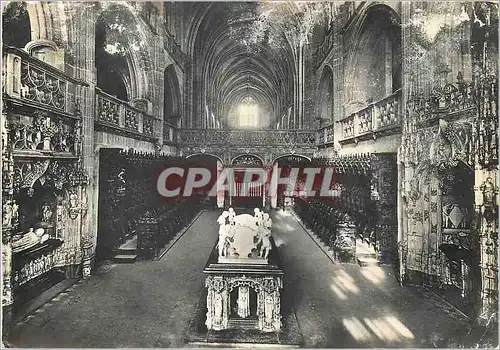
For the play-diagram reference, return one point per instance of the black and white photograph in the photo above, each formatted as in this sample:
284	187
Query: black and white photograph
250	174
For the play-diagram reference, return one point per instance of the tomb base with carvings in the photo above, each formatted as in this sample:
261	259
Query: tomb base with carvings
243	304
244	293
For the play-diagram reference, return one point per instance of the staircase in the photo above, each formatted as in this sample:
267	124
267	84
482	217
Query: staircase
366	254
127	252
243	323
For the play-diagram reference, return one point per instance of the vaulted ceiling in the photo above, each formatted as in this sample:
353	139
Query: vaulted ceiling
228	68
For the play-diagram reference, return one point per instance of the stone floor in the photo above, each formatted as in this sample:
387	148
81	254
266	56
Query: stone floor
149	304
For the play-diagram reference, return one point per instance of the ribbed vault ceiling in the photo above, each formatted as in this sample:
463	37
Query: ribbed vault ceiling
228	69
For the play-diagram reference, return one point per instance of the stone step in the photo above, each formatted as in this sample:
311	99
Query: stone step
127	251
367	255
367	261
125	259
243	323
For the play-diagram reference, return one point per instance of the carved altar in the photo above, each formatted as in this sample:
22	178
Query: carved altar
244	282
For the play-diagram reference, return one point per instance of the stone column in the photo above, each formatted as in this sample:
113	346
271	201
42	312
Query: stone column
274	186
220	187
7	297
9	222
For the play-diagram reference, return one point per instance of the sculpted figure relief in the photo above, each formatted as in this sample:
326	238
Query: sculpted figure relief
46	213
29	239
244	236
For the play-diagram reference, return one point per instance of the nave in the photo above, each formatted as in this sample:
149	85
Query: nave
150	303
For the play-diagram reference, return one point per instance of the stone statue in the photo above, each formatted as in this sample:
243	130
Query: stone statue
223	233
10	213
7	214
232	215
258	216
243	302
29	239
46	213
121	176
218	308
267	223
15	214
265	236
73	200
268	308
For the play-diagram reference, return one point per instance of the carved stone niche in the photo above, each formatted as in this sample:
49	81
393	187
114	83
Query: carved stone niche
46	51
459	241
457	198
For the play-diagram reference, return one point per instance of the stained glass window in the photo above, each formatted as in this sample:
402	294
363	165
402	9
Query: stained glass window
248	113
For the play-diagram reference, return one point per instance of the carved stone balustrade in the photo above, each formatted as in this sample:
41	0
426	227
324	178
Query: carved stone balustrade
169	134
325	135
377	119
348	127
32	82
119	117
265	143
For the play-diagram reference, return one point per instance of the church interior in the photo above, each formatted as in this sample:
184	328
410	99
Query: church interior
398	100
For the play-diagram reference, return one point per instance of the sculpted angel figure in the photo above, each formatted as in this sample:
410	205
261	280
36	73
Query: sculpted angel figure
258	216
265	236
223	233
232	215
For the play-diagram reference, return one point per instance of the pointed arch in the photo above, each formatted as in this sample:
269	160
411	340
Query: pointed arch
325	95
172	95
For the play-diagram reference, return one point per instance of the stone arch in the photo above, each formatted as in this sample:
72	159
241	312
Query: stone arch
205	154
251	157
136	57
244	282
374	61
40	28
325	102
291	154
172	103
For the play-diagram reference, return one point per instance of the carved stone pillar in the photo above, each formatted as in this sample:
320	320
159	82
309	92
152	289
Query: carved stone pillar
269	305
9	221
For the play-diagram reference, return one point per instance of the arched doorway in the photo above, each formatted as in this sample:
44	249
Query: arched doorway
247	190
325	103
172	97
